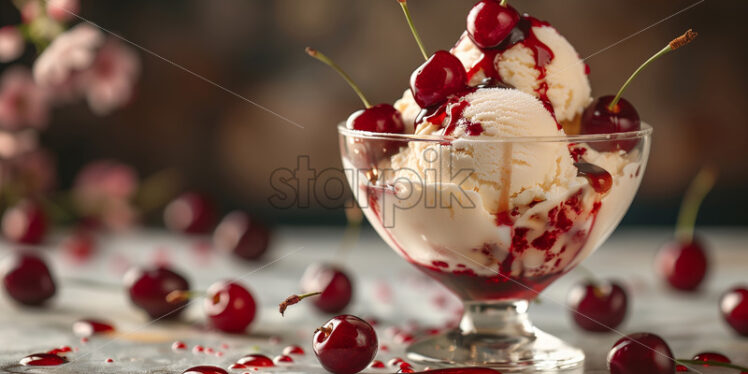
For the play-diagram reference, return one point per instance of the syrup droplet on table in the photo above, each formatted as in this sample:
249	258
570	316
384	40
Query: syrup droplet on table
63	349
43	359
178	346
205	370
255	360
293	350
283	359
89	327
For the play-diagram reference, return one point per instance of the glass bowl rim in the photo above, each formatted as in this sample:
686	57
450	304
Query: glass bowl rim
646	130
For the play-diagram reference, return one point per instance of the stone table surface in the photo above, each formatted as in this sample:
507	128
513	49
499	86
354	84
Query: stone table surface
387	289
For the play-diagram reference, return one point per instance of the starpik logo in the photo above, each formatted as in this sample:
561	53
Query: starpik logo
382	192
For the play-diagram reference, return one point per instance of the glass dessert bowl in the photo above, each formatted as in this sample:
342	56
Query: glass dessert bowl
495	220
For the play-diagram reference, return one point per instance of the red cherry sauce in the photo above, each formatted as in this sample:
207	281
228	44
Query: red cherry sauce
600	180
521	34
467	284
43	359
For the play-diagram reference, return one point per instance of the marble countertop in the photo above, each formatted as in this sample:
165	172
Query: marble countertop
387	289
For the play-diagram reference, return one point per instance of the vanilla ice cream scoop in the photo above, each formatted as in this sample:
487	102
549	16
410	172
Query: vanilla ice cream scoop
505	174
538	61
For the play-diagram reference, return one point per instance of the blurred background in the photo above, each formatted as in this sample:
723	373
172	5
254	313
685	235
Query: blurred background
227	148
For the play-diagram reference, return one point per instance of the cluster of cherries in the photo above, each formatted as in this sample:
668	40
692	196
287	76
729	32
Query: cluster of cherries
160	291
648	353
601	306
189	213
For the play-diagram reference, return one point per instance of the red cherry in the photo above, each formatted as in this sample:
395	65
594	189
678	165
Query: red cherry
489	23
149	287
345	344
599	119
598	307
734	307
441	76
230	307
27	279
333	283
191	213
25	223
382	118
683	265
641	353
205	370
711	356
242	235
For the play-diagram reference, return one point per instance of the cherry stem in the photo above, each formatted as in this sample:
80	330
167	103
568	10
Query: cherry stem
404	5
676	43
503	3
697	191
294	299
329	62
179	296
711	363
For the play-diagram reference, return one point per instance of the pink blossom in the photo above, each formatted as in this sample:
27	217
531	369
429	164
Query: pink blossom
62	10
103	190
109	83
73	51
11	43
22	102
16	143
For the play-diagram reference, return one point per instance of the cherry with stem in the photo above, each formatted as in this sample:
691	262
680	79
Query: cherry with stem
614	114
441	76
381	118
230	307
683	262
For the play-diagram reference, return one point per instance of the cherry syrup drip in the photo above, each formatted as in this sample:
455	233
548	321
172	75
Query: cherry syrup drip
43	359
455	116
600	180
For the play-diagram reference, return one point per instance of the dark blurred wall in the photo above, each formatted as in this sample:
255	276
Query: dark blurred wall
695	98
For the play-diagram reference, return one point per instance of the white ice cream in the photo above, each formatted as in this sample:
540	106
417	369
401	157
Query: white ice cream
501	172
568	87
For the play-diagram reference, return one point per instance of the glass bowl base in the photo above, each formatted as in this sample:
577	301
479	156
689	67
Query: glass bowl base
533	352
